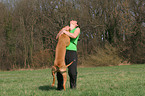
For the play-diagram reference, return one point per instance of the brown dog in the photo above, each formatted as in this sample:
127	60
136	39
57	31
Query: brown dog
59	62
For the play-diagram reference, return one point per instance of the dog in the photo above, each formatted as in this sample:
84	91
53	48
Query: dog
59	62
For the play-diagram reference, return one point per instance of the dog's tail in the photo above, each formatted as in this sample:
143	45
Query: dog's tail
70	63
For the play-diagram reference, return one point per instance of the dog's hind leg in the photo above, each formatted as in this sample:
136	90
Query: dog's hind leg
53	73
64	79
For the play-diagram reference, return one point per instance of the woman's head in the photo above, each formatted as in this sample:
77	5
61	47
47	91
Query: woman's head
74	23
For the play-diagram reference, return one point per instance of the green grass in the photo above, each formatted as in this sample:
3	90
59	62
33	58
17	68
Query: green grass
128	80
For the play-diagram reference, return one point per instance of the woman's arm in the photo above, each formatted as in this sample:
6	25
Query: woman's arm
72	35
61	31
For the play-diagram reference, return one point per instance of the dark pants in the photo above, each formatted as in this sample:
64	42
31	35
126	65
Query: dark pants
72	70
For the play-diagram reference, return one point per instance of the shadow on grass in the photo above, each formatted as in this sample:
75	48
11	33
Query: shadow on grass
47	88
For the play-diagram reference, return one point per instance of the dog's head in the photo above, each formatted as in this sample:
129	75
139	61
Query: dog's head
64	38
67	40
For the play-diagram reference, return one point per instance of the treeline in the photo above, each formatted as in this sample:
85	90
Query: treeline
112	31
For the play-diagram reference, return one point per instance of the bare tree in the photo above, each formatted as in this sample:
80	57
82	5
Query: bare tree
29	27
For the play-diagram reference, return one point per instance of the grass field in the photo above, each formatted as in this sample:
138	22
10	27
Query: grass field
127	80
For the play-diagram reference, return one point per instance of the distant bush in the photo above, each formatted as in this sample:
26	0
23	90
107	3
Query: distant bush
103	57
42	59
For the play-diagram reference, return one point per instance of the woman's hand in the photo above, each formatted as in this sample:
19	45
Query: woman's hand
66	28
72	35
62	31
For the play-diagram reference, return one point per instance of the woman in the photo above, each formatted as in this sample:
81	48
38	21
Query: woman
71	54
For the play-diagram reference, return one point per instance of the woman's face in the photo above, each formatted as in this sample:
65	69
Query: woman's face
74	23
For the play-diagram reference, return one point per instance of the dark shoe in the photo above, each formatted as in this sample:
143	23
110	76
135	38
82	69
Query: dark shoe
73	87
59	89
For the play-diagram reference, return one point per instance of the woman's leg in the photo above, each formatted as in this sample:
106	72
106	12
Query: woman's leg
72	69
59	81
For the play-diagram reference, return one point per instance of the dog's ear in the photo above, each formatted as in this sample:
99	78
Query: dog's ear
67	43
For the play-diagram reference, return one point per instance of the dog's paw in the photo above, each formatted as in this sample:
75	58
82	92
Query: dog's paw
52	85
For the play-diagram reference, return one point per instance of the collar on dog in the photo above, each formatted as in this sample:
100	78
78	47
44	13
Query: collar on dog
62	72
58	69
